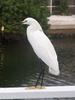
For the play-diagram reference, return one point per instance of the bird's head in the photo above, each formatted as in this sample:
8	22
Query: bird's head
33	23
29	21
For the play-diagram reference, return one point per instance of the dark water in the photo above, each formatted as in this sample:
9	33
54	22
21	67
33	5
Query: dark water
19	65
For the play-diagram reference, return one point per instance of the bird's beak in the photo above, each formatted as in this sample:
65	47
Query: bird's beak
23	22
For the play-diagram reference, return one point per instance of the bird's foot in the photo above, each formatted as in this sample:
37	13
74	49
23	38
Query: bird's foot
36	87
39	87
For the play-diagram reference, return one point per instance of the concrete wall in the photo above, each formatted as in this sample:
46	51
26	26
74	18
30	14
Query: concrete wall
62	24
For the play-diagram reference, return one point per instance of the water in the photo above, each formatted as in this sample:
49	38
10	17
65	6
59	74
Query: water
19	65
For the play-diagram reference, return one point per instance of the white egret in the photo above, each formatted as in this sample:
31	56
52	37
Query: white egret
42	46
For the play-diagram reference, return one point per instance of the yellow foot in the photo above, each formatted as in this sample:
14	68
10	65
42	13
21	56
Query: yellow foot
36	87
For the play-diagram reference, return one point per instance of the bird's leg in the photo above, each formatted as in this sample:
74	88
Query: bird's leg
42	77
38	77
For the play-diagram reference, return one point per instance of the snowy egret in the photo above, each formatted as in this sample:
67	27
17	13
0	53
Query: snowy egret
42	47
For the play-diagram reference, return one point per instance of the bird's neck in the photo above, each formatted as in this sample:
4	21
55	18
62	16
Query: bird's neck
34	27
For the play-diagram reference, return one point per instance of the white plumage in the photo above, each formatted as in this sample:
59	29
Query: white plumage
41	45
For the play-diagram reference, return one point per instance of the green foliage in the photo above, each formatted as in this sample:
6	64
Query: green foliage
12	12
63	7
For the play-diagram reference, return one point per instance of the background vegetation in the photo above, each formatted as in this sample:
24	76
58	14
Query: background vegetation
12	12
63	7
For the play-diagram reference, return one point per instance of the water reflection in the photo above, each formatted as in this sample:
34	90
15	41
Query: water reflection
19	65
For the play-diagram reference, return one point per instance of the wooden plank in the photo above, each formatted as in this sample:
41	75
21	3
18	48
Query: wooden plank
47	92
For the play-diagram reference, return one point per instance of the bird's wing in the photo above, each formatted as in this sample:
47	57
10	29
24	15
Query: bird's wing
41	44
44	49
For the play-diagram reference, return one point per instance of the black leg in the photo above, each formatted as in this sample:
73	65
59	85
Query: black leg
43	73
38	77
